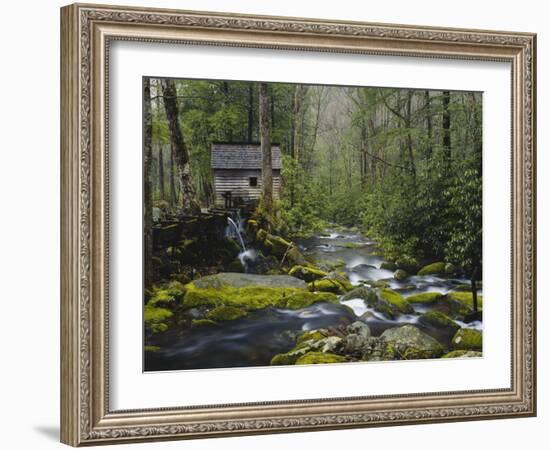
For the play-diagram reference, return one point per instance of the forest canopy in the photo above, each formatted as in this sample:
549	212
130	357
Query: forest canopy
403	165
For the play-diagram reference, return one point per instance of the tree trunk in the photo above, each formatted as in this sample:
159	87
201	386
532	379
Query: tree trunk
428	109
474	289
446	100
299	116
173	194
147	185
162	191
178	148
265	143
408	124
250	127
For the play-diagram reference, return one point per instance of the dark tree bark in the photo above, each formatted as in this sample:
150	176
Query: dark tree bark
265	143
178	148
298	113
173	194
428	109
250	127
474	288
408	124
446	101
147	185
162	190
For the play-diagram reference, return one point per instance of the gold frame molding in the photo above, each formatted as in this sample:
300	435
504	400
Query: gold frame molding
86	31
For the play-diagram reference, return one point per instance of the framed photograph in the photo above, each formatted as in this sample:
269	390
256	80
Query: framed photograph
274	224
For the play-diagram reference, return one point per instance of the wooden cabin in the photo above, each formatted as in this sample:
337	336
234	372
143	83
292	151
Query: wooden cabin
237	172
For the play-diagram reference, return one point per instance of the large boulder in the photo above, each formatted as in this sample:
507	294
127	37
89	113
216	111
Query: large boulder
239	280
251	292
408	342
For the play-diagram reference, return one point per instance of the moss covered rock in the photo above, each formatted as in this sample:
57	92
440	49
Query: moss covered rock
436	319
307	273
251	292
202	322
327	285
396	300
425	297
300	299
380	283
320	358
400	274
408	342
436	268
467	339
223	313
313	336
463	354
466	298
156	319
365	293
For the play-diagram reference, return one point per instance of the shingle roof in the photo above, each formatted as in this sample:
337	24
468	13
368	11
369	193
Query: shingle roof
242	156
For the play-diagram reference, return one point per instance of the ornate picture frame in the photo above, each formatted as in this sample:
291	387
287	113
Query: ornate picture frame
86	34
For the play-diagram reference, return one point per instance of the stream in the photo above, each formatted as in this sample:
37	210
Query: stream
255	339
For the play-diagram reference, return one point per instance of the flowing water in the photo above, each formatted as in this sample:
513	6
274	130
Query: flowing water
255	339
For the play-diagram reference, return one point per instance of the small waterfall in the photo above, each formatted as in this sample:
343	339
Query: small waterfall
231	222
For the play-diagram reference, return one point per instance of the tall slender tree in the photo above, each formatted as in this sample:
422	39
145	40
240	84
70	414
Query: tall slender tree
147	185
265	143
189	201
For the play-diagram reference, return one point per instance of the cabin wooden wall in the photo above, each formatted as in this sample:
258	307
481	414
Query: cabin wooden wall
237	181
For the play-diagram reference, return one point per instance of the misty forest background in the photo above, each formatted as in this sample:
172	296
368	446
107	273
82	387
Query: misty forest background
402	165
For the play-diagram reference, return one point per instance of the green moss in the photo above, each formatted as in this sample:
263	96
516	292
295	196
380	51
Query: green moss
320	358
380	284
326	286
278	244
223	313
302	299
463	354
395	299
426	297
253	297
467	339
284	359
155	318
466	298
436	268
151	348
307	273
261	235
161	298
439	320
309	336
202	322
